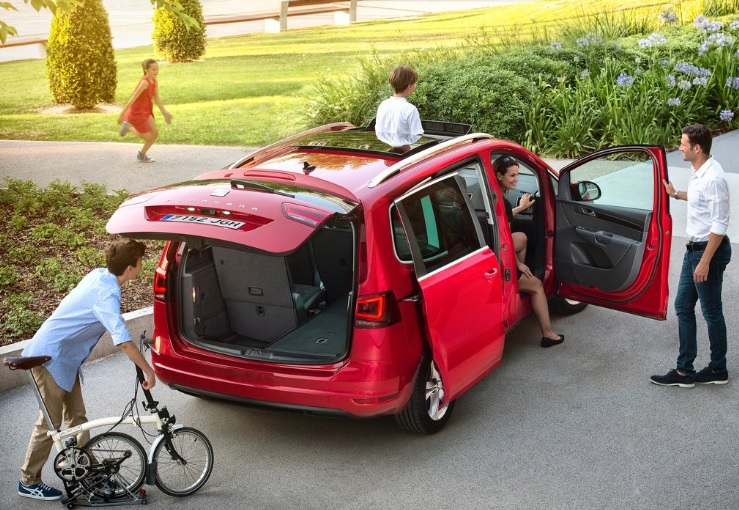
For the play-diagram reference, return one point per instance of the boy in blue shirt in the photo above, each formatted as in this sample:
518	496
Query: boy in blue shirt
68	336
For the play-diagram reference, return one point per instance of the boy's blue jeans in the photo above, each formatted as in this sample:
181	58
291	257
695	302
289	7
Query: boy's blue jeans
709	294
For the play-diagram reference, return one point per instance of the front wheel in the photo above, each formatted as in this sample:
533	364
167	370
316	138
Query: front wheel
186	469
427	410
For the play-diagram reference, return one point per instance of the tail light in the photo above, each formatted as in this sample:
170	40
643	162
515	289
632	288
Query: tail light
375	311
160	276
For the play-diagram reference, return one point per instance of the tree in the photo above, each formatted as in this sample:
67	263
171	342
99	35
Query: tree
175	40
80	62
69	5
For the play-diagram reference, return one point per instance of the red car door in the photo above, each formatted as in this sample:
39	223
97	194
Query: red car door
614	230
459	279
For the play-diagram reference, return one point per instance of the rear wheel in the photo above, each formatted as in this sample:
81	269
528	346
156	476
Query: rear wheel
184	472
564	306
428	410
118	465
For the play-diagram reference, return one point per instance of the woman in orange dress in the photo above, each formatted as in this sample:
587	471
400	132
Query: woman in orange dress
137	116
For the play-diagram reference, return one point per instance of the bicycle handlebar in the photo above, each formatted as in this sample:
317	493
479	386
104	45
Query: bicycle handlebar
150	402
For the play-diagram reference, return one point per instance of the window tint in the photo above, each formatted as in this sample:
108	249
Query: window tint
439	221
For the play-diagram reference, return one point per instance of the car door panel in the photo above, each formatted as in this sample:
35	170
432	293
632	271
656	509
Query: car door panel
614	251
461	288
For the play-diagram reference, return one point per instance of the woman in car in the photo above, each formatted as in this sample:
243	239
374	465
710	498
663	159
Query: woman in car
506	172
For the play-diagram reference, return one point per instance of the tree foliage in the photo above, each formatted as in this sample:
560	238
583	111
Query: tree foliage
80	62
70	5
174	39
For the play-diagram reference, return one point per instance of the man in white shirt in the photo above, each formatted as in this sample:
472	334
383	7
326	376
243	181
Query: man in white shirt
398	123
707	254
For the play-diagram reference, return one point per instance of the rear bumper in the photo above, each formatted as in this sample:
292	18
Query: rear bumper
351	390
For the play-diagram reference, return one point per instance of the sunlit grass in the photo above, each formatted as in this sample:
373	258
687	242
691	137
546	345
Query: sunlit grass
251	89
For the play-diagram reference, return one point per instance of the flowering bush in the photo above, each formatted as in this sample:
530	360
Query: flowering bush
646	98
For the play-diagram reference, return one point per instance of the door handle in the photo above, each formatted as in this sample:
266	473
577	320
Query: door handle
491	274
586	211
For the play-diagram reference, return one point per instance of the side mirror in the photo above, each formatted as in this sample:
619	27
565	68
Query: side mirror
585	191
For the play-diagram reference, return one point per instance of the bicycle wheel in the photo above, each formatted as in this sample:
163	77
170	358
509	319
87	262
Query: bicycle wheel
118	466
175	477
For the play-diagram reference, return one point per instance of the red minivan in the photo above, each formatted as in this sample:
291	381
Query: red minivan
328	274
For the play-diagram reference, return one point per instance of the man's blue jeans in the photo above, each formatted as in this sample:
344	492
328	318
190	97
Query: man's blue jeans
709	294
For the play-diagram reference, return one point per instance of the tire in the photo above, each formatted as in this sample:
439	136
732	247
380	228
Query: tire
563	306
131	472
426	412
175	478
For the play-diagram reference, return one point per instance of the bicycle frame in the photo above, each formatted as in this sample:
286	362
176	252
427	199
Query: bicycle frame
190	474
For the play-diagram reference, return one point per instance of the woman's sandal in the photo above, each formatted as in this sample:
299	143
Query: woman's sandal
548	342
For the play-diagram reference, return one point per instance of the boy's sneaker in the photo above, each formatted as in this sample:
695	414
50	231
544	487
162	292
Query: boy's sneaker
143	158
39	491
673	378
711	376
124	128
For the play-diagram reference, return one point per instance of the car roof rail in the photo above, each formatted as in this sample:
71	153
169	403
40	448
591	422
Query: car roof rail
269	149
425	154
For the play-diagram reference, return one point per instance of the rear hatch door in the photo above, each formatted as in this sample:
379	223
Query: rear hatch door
269	216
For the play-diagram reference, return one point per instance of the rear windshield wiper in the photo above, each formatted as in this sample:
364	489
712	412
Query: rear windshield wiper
255	186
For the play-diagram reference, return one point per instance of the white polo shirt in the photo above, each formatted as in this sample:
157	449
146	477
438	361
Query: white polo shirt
398	122
708	202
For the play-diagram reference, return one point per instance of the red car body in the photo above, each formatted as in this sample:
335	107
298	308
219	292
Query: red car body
410	257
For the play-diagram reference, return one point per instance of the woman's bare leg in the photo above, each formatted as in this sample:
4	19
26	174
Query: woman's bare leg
533	286
519	244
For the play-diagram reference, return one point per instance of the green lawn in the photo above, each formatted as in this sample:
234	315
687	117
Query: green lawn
250	90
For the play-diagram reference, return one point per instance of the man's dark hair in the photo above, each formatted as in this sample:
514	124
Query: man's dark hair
699	134
402	77
121	254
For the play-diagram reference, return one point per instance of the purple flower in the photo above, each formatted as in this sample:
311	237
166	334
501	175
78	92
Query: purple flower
654	39
555	45
683	85
624	80
670	79
668	16
589	39
706	25
726	115
584	74
700	81
673	101
733	82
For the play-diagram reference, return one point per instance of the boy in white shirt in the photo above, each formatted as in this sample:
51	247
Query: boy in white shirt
398	123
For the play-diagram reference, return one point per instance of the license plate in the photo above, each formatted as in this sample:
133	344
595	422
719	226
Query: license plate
204	220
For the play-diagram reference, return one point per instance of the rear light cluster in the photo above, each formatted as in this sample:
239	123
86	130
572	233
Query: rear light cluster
375	311
305	215
160	274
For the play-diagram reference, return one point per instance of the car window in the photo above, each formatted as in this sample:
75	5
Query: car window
440	222
625	179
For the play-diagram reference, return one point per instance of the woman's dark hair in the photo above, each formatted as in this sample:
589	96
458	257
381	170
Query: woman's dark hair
121	254
147	63
503	163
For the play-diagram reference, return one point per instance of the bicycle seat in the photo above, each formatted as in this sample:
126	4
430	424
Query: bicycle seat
25	363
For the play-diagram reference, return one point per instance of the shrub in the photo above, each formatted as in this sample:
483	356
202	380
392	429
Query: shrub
20	321
173	39
80	62
492	99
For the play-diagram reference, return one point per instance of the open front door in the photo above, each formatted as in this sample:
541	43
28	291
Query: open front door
614	230
459	278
